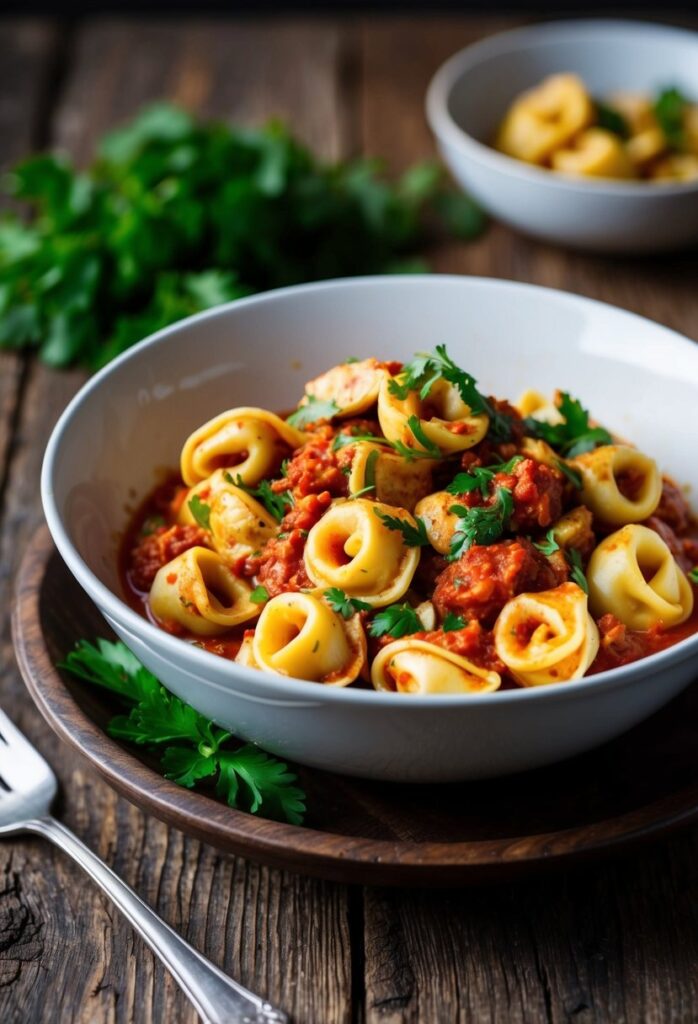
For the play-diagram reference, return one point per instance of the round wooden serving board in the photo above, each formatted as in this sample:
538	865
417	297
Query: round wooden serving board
642	784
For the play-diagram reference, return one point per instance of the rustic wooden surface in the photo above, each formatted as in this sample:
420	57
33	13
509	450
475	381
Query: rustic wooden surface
616	942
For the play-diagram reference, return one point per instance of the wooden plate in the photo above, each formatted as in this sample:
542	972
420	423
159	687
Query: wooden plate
634	788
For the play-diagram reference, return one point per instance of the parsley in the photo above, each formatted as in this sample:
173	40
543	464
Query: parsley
483	524
259	595
312	410
342	604
351	359
369	474
343	439
413	537
611	120
571	472
669	109
151	524
418	433
275	504
577	576
452	621
481	477
194	747
549	545
201	512
693	575
396	620
573	436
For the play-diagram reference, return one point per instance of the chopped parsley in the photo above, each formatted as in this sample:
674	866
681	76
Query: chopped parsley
413	536
483	524
577	576
396	620
275	504
611	119
312	410
151	524
343	604
693	575
259	595
669	109
481	477
574	435
452	621
201	511
549	545
369	474
572	474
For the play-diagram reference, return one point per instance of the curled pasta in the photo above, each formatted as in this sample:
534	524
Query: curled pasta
538	407
198	591
545	118
547	637
619	484
298	635
444	418
253	441
351	548
415	666
239	523
394	481
353	387
594	153
439	521
633	575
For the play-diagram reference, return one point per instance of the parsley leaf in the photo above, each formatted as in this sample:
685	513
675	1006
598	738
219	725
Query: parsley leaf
481	477
151	524
418	432
452	621
573	436
577	576
396	620
483	524
413	537
611	119
369	474
549	545
342	604
312	410
693	575
275	504
201	512
246	777
669	109
259	595
571	472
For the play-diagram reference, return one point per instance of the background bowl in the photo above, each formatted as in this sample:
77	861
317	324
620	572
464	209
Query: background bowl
469	95
131	419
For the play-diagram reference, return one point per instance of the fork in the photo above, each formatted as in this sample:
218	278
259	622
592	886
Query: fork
27	789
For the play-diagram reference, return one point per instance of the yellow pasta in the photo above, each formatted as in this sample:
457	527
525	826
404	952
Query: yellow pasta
353	387
393	480
440	523
444	418
619	484
252	441
535	404
545	118
547	637
198	591
416	666
634	575
239	523
351	548
298	635
594	153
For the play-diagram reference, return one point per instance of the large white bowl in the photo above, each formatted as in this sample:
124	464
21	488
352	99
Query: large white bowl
470	94
129	421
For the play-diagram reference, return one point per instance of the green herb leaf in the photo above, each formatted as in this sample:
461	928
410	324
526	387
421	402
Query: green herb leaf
369	474
577	576
342	604
483	524
275	504
312	410
413	537
611	120
693	575
549	545
452	621
396	620
151	524
259	595
571	472
201	512
573	436
259	783
481	477
669	109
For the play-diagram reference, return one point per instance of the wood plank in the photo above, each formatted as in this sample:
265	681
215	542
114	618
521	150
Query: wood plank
64	953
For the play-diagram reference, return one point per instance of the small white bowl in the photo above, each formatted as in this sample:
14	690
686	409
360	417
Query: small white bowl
131	419
470	93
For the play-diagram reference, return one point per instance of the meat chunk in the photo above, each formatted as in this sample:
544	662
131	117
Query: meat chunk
537	493
315	468
673	509
160	547
280	566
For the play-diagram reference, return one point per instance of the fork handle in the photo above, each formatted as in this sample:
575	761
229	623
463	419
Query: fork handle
217	998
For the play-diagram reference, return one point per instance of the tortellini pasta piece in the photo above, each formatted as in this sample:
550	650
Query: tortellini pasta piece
545	118
439	521
416	666
536	405
444	418
619	484
251	441
547	637
676	167
633	575
239	523
595	153
352	548
198	591
353	387
299	636
394	480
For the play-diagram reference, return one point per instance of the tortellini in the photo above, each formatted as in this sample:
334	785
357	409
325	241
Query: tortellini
251	441
545	118
547	637
351	548
633	575
239	524
298	635
353	387
440	523
594	153
619	484
198	592
444	418
538	407
416	666
390	479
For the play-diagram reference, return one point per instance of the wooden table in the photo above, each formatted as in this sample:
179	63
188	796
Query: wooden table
613	942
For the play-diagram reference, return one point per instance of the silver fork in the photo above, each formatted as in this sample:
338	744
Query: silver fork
27	789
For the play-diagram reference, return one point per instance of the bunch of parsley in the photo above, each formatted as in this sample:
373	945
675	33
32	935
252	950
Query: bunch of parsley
176	215
191	747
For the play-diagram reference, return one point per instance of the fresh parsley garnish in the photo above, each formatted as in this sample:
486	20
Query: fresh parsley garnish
396	620
483	524
481	477
259	595
611	119
201	512
151	524
312	410
342	439
574	560
413	536
452	621
192	747
669	109
571	472
549	545
573	436
343	604
275	504
693	575
369	474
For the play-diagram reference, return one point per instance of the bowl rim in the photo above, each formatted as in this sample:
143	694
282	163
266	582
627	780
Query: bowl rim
447	130
265	684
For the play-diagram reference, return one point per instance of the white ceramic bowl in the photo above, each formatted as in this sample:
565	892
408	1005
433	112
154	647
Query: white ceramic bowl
130	420
470	94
